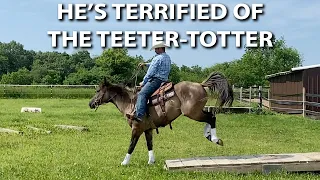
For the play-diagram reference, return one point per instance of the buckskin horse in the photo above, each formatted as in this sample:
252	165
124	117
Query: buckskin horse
165	105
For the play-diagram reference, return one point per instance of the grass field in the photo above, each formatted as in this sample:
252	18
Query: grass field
98	153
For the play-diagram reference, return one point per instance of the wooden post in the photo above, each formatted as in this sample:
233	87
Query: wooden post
303	101
51	91
72	127
260	96
241	95
269	103
250	96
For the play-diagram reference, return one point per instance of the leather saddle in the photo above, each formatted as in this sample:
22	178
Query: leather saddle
162	94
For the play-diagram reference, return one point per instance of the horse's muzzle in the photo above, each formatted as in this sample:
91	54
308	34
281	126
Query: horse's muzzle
92	104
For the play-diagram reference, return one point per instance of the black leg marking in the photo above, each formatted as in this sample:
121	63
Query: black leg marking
210	119
134	139
148	135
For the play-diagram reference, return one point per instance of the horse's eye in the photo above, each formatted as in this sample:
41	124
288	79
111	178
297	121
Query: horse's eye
98	90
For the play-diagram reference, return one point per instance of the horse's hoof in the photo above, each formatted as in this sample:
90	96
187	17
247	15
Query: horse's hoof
124	164
151	162
220	142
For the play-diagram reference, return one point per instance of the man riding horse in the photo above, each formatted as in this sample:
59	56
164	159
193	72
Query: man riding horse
158	72
170	101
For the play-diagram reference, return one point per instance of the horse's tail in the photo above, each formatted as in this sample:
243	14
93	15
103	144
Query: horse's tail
217	82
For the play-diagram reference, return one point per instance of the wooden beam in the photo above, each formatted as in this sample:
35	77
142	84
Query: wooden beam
265	163
5	130
72	127
38	129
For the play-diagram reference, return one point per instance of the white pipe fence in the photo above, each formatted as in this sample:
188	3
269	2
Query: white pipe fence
247	96
47	91
244	95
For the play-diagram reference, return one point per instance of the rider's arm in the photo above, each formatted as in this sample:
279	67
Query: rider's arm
151	70
147	64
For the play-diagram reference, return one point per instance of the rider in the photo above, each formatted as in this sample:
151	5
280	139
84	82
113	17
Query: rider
158	72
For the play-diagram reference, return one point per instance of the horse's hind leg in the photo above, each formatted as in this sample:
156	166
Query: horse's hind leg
210	128
136	133
148	134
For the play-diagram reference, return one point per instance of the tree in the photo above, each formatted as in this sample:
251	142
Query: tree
258	62
84	76
174	75
118	64
51	67
13	56
21	77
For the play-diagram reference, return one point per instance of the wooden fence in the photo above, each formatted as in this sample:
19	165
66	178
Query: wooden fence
307	104
254	94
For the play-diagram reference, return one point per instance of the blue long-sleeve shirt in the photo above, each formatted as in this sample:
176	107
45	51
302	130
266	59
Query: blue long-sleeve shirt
159	67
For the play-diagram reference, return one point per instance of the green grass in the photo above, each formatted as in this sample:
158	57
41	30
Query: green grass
98	153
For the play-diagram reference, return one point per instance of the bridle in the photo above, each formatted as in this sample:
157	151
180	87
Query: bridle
98	102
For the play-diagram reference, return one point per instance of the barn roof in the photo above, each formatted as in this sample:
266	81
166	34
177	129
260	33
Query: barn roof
292	70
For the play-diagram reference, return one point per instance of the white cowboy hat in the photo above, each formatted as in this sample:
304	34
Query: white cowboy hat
158	45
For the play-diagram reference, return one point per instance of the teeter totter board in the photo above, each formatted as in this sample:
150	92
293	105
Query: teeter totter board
264	163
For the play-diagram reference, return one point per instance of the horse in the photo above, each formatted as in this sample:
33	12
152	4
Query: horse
188	99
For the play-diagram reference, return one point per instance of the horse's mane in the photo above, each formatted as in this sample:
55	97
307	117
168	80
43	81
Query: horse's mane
123	91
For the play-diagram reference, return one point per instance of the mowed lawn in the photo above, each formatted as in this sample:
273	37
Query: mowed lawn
97	154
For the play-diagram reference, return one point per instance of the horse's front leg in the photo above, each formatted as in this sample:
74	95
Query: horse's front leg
136	133
148	134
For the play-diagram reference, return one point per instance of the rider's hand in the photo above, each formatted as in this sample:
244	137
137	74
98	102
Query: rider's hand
140	84
141	64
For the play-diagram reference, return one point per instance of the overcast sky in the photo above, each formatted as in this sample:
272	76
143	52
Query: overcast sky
297	21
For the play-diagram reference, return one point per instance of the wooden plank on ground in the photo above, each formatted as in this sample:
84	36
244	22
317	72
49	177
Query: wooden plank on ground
5	130
38	129
72	127
249	163
174	164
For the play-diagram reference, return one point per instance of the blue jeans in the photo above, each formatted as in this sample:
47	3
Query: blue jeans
147	90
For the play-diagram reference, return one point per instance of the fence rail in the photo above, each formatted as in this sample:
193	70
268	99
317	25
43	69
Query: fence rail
46	91
305	104
256	94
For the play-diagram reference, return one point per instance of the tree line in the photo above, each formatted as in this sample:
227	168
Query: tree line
25	67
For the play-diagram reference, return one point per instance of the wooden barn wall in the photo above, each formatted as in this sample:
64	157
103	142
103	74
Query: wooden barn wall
311	81
287	88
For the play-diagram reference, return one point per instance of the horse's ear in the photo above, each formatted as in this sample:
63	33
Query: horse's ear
106	83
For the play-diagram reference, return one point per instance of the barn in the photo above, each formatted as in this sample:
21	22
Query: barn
296	91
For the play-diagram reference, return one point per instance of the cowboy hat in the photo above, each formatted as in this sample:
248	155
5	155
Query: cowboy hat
158	45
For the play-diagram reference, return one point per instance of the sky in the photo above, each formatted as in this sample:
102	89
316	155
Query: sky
297	21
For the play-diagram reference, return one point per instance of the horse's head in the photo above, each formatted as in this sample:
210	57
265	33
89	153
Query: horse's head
103	95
